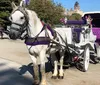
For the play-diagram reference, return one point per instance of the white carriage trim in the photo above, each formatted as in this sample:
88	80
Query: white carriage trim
92	12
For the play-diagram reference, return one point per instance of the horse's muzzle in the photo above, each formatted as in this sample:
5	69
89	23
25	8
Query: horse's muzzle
13	34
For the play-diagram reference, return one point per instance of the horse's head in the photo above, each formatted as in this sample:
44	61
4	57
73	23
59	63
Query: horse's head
19	21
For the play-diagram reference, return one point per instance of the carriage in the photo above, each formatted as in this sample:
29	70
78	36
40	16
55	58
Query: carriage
78	50
83	40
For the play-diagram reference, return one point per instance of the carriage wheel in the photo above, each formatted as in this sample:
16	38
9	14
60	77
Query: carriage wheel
96	58
86	58
83	64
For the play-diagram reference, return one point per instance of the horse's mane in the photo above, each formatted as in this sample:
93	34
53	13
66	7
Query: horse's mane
33	15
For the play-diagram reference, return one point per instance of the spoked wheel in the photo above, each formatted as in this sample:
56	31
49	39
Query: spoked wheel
96	59
84	63
86	58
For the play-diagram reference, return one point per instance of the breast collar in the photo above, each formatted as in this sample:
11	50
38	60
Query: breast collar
41	40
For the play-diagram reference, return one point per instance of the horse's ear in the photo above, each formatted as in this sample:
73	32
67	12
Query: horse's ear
22	4
13	5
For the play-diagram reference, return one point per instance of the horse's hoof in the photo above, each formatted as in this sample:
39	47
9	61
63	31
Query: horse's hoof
60	77
54	77
35	84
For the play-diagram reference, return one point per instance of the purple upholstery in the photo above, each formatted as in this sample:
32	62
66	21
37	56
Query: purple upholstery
76	22
77	31
96	31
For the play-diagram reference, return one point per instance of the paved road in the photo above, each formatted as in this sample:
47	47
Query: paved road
16	69
14	59
10	74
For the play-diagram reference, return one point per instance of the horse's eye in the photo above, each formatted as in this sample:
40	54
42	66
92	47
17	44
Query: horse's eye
22	18
10	18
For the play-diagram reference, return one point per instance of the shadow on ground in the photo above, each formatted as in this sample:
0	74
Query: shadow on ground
4	38
10	76
29	68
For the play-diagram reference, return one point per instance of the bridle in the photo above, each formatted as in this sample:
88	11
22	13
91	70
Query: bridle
23	27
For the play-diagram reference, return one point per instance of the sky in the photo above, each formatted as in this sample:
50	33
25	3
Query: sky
85	5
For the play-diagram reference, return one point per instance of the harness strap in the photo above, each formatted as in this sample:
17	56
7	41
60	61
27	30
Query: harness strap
41	40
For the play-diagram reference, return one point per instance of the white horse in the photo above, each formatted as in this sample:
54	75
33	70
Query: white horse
40	40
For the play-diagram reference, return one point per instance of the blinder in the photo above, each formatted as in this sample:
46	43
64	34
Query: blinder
16	30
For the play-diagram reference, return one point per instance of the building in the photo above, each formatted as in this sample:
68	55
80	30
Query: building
75	10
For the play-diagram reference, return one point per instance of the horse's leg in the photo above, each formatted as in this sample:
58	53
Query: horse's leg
54	60
36	71
61	72
42	56
55	73
1	35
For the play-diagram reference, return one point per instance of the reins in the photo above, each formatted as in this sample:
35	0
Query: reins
45	27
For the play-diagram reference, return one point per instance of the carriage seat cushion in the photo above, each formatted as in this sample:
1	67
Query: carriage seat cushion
76	34
76	22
